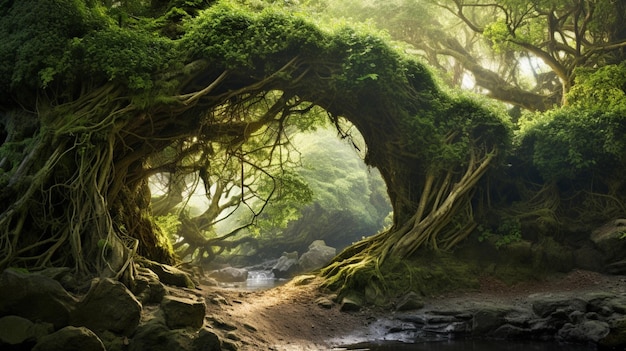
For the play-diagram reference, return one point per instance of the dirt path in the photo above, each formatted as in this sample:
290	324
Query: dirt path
289	318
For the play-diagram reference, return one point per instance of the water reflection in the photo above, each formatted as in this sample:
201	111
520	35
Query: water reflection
470	345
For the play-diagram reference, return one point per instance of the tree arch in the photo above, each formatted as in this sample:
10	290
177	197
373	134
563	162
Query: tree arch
74	184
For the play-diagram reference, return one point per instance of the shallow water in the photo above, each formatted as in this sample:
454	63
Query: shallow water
469	345
261	280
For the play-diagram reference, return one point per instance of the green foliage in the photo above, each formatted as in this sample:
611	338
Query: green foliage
70	41
169	225
570	142
509	231
235	37
442	135
291	194
121	55
35	34
603	88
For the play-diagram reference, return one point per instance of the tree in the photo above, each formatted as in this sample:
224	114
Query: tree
500	43
106	99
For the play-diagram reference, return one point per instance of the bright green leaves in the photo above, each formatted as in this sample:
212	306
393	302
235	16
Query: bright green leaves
604	88
238	38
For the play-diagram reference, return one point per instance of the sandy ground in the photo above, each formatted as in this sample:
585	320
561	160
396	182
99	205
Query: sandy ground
289	318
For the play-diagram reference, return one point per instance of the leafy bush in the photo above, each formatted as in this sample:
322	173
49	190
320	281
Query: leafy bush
568	143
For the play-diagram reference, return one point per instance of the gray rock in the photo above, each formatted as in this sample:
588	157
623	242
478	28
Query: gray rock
616	338
108	305
16	330
287	266
230	275
70	339
488	319
170	275
546	305
587	331
148	287
318	255
35	297
183	312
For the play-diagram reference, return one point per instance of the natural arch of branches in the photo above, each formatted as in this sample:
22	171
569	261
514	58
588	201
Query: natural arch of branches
79	196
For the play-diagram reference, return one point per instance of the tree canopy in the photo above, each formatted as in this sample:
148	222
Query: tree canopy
521	52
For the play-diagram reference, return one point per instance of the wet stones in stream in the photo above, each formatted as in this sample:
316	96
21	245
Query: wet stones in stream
592	318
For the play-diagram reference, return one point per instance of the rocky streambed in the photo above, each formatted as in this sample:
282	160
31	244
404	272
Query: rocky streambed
166	309
593	316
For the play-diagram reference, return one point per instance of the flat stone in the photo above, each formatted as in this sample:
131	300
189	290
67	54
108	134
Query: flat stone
183	312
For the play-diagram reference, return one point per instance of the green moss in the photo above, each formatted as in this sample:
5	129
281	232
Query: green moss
429	273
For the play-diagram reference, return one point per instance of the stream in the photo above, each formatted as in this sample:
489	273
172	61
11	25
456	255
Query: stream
261	280
467	345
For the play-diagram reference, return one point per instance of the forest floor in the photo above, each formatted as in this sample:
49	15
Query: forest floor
289	317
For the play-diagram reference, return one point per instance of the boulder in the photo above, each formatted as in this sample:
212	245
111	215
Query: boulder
488	318
108	305
70	339
207	340
587	331
35	297
170	275
156	336
148	288
181	312
16	330
546	305
318	255
616	338
230	275
287	265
